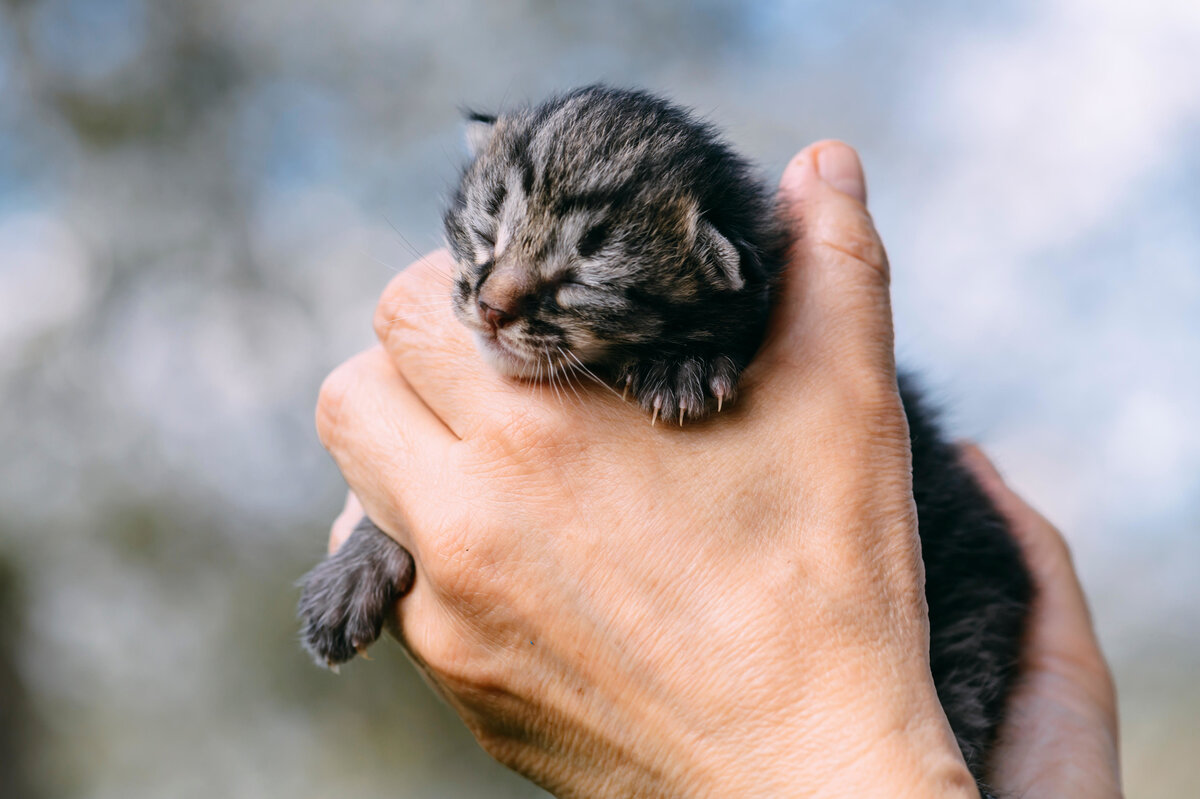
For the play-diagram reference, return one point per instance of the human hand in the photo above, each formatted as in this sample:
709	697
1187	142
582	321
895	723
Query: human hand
1060	733
730	609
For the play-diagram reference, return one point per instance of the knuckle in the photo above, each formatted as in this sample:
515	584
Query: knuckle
413	295
527	438
447	653
464	564
387	316
531	428
459	654
331	403
450	565
855	239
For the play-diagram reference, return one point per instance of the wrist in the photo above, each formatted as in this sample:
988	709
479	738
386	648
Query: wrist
903	750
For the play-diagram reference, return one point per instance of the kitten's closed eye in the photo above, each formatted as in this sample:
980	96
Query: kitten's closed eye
569	292
593	240
608	230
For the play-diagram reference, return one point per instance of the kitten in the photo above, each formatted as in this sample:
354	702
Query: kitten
609	229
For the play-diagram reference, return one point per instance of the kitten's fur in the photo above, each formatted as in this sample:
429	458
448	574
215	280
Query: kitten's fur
614	227
610	229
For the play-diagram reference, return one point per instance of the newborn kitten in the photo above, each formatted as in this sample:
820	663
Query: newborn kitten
609	230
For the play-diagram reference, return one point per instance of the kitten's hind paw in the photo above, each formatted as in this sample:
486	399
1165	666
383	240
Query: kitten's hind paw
682	389
347	597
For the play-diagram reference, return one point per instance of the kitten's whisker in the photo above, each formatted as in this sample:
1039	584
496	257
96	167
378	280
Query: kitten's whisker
580	365
567	374
381	262
422	304
404	311
426	303
431	296
419	306
550	375
425	310
443	276
420	256
422	259
398	269
424	313
412	316
564	380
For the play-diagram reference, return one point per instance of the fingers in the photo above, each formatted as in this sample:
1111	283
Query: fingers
1061	636
344	524
415	323
1059	736
388	444
834	310
437	356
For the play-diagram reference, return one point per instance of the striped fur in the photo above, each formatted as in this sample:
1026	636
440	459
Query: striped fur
646	247
614	227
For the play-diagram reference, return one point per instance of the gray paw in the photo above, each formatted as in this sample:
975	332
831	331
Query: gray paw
347	597
682	389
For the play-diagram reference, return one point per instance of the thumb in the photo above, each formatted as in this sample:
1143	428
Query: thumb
834	309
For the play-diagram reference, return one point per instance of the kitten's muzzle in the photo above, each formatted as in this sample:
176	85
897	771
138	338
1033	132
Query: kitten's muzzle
503	295
497	317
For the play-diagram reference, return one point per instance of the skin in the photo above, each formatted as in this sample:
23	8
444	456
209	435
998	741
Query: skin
1060	737
733	608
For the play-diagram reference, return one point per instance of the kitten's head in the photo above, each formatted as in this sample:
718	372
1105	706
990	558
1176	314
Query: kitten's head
596	224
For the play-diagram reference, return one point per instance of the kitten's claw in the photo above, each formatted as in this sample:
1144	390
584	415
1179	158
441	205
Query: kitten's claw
687	384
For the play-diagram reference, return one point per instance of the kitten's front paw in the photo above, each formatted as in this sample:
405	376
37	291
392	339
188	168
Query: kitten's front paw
682	389
347	597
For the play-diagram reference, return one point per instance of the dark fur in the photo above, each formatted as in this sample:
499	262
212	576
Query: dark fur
637	238
347	598
647	246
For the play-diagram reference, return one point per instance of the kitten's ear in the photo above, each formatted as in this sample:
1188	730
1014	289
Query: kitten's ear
480	128
718	255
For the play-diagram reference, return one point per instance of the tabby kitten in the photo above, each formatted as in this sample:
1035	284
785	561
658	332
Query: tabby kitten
609	230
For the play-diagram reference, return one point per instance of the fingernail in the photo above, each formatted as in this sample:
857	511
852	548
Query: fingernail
838	165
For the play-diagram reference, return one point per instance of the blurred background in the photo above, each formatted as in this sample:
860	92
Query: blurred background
201	200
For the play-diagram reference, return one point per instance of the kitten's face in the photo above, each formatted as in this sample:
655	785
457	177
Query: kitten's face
535	282
565	256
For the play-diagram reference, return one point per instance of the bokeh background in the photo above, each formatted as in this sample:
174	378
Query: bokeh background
201	200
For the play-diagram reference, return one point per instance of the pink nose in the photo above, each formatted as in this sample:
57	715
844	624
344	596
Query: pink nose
496	317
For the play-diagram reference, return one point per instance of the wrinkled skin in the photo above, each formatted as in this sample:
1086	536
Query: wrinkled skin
785	650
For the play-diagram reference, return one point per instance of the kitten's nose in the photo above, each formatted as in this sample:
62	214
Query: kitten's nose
497	317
